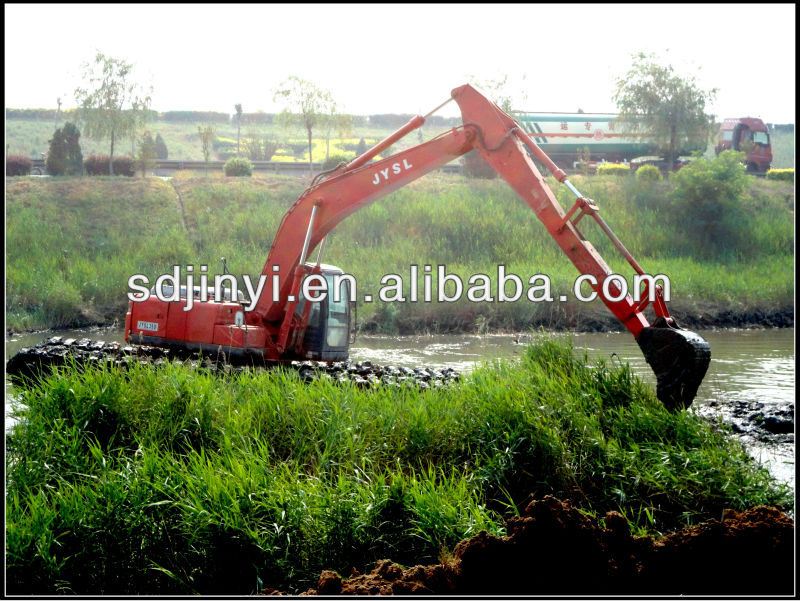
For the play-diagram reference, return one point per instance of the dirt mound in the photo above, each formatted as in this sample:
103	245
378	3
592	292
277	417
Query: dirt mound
555	549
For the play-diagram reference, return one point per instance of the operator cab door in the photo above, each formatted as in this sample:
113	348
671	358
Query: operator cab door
327	334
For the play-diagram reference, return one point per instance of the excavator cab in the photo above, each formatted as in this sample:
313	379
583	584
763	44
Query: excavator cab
326	336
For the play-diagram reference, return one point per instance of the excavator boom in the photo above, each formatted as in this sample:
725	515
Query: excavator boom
276	327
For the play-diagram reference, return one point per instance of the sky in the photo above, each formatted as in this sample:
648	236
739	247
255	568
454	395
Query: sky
404	58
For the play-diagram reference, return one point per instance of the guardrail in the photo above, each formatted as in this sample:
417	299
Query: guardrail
166	167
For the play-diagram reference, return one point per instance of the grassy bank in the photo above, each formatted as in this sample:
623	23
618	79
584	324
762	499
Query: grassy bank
164	481
72	244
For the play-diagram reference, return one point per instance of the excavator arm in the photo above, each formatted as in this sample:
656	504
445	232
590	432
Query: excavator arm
679	358
346	191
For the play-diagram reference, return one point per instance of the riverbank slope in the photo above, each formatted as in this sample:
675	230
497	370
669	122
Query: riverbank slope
72	244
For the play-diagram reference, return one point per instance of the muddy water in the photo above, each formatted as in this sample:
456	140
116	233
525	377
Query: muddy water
747	367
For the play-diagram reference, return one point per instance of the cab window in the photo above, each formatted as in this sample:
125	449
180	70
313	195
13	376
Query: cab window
313	315
338	314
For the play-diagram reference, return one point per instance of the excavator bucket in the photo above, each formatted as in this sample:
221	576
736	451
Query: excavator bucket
679	359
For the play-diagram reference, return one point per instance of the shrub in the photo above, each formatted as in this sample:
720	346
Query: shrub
124	166
146	156
16	164
238	167
359	148
649	173
56	161
97	164
613	169
64	156
298	148
707	204
161	148
224	148
270	148
786	175
72	135
334	160
258	148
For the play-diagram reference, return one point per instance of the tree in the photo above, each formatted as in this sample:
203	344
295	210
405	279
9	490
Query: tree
257	147
252	146
56	162
666	109
64	156
162	153
336	122
207	134
112	105
312	105
238	108
72	135
146	157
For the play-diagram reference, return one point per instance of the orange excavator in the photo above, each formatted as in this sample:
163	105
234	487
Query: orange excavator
282	326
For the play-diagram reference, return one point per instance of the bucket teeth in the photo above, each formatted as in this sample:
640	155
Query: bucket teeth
679	359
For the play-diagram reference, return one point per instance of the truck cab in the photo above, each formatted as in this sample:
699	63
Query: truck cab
750	136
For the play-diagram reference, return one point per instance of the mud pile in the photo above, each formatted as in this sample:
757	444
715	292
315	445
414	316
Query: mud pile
554	549
58	351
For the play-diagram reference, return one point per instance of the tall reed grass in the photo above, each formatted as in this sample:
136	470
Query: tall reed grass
169	480
73	243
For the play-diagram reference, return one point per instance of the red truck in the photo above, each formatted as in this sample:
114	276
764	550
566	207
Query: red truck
750	136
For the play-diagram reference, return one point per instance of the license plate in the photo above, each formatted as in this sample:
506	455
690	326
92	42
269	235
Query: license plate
147	325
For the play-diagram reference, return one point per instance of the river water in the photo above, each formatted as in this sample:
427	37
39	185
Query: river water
747	367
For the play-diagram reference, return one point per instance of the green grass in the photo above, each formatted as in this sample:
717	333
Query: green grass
173	481
112	228
72	243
